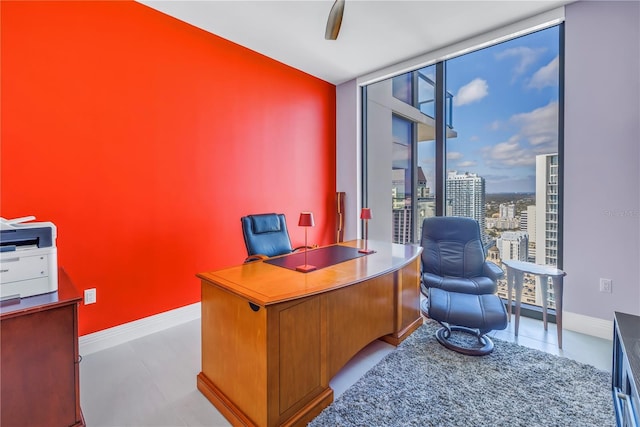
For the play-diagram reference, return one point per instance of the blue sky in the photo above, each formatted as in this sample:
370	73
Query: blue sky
505	111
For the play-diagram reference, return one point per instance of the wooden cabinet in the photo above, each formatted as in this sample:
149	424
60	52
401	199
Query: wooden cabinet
626	369
39	359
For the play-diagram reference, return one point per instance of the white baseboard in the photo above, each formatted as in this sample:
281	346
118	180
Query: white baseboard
593	326
129	331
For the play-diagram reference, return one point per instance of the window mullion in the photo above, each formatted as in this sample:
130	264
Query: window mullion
440	134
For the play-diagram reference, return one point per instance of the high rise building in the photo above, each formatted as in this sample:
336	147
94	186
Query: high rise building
547	200
402	225
398	189
524	218
466	195
546	223
503	223
513	245
402	212
401	205
528	224
426	202
507	210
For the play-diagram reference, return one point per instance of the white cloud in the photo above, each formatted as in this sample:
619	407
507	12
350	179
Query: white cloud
537	134
471	92
456	157
495	125
466	164
509	153
526	56
540	127
546	76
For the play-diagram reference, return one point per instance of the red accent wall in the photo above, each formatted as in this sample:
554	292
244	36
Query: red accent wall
145	140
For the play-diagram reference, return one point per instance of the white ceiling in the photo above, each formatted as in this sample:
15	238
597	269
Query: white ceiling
374	33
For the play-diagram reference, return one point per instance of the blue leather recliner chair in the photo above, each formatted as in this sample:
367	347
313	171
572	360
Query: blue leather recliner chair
459	283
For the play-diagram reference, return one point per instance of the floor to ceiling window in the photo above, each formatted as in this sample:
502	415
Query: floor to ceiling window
502	157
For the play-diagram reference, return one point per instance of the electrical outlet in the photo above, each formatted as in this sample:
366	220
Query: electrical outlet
90	296
605	285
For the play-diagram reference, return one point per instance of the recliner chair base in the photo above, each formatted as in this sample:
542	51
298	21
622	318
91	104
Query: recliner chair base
443	334
468	313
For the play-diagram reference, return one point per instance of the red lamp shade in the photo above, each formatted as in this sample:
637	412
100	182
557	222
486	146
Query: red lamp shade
365	213
306	219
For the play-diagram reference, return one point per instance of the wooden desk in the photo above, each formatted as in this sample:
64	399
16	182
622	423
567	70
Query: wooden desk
272	338
40	383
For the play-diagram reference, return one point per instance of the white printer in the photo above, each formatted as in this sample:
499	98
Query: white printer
28	258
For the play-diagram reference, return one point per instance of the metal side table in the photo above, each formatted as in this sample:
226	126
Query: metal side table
515	278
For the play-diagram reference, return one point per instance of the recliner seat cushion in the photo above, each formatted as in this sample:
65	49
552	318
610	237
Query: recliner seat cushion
484	312
473	285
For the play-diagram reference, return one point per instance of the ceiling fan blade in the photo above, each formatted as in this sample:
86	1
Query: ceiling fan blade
335	20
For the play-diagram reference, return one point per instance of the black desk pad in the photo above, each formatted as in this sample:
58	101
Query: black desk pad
320	258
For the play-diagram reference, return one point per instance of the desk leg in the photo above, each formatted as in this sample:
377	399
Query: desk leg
543	282
558	286
519	283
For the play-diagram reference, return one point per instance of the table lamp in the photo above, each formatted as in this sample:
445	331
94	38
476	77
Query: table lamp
365	214
306	221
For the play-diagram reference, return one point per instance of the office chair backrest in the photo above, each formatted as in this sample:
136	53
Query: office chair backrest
452	246
266	234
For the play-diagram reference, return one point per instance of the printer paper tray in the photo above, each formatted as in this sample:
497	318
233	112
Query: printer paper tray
28	288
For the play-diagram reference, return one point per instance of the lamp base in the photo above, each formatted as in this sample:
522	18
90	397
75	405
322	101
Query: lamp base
366	251
306	268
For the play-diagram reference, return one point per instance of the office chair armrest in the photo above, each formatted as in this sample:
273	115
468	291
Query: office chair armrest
491	270
255	258
303	247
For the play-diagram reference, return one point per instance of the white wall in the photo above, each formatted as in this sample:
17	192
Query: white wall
348	155
602	157
602	161
379	155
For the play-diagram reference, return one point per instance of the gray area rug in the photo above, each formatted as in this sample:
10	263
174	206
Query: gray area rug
422	383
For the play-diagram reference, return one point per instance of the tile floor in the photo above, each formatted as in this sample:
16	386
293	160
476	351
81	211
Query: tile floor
151	381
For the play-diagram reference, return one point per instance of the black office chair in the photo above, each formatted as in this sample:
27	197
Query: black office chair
266	236
459	284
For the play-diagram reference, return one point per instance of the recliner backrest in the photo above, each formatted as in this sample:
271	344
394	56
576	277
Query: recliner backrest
266	234
452	247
